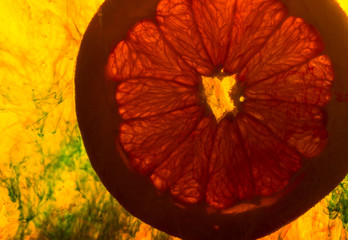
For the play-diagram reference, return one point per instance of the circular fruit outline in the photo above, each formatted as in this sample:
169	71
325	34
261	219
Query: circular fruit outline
248	173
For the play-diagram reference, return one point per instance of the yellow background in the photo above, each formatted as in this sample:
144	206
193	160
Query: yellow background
48	189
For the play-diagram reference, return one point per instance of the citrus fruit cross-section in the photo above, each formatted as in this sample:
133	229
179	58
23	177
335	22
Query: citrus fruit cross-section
209	118
167	132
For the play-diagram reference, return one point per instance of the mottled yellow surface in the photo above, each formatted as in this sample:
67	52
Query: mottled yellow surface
343	4
48	189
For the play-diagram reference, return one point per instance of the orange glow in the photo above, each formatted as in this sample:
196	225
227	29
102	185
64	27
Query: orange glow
44	169
344	5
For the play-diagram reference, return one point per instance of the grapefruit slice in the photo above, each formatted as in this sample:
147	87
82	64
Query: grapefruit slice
159	147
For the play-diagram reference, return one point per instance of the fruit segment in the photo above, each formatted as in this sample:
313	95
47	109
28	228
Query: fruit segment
214	21
176	21
299	126
272	161
145	54
230	175
139	98
293	44
309	83
247	161
253	23
184	173
150	141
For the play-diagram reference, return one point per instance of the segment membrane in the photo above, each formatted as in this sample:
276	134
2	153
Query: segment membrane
309	83
184	173
175	19
253	23
214	21
247	161
300	126
145	53
230	176
150	141
293	44
139	98
272	161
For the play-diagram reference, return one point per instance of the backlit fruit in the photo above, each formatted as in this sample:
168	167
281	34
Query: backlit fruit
216	119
